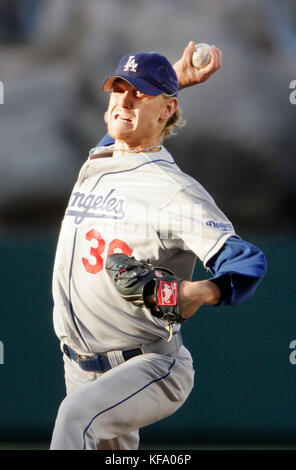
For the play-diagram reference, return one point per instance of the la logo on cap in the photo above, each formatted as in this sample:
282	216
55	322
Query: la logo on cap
131	64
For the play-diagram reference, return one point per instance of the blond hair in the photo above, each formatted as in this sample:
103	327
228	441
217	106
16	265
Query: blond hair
174	122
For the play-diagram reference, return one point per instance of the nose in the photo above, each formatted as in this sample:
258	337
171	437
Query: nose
126	99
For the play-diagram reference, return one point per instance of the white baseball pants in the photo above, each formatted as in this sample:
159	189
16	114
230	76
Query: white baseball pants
104	411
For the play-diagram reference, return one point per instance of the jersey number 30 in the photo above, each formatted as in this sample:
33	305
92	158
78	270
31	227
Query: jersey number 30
97	252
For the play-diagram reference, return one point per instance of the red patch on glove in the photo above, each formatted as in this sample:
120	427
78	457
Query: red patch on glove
167	293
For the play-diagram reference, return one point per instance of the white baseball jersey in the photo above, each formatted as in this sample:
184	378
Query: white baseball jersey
139	204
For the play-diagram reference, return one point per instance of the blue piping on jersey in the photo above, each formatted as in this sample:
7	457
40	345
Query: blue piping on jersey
70	302
125	399
130	169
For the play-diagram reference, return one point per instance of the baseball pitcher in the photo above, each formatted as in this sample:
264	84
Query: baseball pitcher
133	228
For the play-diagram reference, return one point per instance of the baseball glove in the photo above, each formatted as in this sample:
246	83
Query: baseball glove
136	281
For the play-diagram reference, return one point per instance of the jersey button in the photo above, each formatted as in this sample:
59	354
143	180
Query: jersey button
61	267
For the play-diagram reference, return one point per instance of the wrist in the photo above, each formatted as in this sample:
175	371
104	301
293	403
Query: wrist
194	295
207	292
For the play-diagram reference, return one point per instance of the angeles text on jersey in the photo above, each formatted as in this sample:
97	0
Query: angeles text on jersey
100	206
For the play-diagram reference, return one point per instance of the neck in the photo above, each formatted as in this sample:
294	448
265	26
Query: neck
123	148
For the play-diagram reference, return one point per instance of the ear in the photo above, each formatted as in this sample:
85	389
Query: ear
169	108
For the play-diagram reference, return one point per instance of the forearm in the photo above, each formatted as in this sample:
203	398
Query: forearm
195	294
238	269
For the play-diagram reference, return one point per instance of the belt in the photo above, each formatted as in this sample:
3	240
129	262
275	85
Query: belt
97	363
101	362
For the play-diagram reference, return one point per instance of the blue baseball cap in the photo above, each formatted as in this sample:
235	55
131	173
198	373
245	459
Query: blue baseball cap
148	72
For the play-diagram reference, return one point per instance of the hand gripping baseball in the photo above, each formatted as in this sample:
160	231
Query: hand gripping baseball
188	75
138	281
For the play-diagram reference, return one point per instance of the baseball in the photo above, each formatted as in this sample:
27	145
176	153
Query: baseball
201	55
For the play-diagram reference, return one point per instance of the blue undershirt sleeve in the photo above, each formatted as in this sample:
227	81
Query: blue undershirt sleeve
237	269
105	141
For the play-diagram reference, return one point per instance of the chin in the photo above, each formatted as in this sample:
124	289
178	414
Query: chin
120	134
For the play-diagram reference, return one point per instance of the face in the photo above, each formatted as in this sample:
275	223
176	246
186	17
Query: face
135	118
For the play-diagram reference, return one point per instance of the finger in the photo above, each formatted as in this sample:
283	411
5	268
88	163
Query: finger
211	67
217	55
220	58
214	55
188	51
214	63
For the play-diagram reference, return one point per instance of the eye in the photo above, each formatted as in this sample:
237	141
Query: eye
139	94
117	89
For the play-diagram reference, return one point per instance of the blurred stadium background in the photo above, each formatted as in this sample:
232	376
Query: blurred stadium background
239	142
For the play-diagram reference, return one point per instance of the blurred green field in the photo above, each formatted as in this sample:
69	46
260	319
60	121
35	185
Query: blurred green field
244	395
